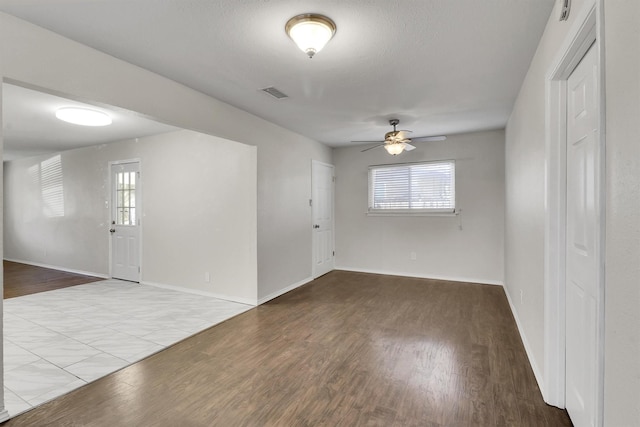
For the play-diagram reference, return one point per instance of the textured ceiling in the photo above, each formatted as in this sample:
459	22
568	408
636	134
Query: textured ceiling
440	66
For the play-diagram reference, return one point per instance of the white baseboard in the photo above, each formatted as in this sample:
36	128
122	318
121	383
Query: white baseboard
57	267
425	276
247	301
284	290
527	347
4	416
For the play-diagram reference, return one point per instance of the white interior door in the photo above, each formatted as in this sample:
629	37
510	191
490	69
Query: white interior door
125	221
322	216
582	250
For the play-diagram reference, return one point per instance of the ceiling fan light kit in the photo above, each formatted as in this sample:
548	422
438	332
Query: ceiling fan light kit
310	31
394	148
397	141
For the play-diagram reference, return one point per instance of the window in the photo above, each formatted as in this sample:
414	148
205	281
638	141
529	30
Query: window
126	198
47	175
418	188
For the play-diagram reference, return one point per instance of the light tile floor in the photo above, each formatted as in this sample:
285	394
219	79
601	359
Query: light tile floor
57	341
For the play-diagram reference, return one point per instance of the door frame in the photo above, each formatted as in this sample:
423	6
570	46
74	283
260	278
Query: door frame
139	202
586	31
333	216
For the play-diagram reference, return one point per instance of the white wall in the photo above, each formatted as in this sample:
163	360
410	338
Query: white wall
525	174
525	190
47	61
3	413
198	212
384	244
622	299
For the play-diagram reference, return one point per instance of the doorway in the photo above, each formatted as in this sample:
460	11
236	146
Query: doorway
574	228
322	182
582	263
125	220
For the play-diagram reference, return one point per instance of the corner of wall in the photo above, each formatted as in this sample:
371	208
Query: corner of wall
527	346
283	291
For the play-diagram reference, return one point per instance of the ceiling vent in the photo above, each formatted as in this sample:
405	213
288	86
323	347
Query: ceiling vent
274	92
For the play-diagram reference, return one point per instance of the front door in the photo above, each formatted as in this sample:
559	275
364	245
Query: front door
583	234
322	217
125	221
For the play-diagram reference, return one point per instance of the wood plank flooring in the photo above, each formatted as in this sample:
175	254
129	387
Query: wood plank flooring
23	279
347	349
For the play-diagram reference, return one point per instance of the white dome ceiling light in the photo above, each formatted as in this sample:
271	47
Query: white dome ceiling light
83	116
310	31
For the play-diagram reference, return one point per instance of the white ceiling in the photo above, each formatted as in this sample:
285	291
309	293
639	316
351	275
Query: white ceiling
30	127
440	66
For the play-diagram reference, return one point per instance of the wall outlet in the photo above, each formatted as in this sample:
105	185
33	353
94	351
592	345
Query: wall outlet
413	256
207	277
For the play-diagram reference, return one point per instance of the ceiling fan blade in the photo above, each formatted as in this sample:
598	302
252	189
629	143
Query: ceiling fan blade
429	138
408	147
402	134
371	148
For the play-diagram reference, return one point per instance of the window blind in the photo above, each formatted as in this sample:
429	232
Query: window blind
412	188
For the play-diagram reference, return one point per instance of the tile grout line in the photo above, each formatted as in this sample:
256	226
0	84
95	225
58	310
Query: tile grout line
168	301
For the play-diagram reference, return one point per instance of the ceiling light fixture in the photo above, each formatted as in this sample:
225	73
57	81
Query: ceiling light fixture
394	148
310	32
83	116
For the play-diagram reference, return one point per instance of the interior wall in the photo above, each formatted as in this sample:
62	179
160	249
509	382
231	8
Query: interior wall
384	244
3	413
34	56
525	190
622	247
198	211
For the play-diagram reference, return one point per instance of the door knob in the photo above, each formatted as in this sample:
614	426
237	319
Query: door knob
316	226
112	230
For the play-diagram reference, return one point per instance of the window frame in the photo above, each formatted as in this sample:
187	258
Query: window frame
126	190
410	211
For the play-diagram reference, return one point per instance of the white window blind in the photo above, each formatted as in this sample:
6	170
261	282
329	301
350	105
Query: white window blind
413	188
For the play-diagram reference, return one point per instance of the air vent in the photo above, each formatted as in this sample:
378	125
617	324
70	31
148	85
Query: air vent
274	92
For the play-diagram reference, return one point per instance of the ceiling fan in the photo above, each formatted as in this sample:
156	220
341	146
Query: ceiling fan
397	141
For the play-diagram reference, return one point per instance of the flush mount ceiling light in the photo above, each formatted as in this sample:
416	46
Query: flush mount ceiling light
310	32
83	116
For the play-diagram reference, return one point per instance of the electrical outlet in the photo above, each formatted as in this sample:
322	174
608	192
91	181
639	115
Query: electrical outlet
413	256
207	277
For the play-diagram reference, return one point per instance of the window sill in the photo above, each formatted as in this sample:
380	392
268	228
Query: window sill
451	214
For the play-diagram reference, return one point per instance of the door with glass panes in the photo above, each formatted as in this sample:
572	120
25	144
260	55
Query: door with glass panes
125	221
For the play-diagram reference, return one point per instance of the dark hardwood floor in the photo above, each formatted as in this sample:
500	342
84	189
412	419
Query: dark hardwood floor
347	349
23	279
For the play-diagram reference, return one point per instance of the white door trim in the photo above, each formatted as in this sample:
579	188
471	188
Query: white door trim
314	275
585	31
140	202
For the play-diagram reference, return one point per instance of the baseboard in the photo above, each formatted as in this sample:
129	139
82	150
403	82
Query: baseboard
425	276
4	416
527	348
57	267
284	290
247	301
